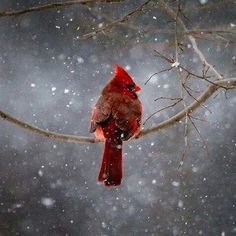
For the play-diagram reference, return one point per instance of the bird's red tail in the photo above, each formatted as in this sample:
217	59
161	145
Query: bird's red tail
111	168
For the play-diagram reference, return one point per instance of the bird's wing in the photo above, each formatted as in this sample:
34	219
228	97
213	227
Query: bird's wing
128	117
101	112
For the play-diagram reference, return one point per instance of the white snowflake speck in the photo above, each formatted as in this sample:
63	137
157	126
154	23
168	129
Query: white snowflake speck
40	173
80	60
100	25
66	91
203	1
127	67
180	203
175	184
47	202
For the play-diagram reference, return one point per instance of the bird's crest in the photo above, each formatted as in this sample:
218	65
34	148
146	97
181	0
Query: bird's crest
120	73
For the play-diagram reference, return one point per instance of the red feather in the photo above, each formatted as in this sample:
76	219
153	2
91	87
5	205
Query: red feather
111	168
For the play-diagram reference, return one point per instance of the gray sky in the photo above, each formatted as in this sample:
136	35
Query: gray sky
51	78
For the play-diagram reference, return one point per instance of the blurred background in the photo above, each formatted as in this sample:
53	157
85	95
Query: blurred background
50	77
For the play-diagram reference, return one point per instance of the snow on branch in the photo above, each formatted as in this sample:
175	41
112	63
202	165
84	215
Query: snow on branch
226	83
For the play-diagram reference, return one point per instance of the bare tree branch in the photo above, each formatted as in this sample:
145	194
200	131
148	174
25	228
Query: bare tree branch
199	134
167	98
45	133
51	6
172	13
186	131
227	83
74	2
215	35
108	26
209	6
171	60
195	31
205	7
203	106
162	109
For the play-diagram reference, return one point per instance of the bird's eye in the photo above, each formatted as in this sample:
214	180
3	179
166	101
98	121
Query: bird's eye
130	86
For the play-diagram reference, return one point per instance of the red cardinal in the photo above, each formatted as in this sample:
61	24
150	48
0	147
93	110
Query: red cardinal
116	118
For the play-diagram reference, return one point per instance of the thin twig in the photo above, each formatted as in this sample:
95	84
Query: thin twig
208	6
171	12
183	81
162	109
201	32
185	142
45	133
176	34
197	118
189	73
166	98
171	61
216	39
108	26
229	83
164	70
193	90
162	56
74	2
51	6
203	141
202	105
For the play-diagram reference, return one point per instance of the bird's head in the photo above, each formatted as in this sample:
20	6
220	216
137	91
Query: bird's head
123	80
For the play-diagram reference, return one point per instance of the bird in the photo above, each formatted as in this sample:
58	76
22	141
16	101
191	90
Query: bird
116	117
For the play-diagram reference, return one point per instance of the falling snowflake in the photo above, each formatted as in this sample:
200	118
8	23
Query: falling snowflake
203	1
53	89
66	91
48	202
175	184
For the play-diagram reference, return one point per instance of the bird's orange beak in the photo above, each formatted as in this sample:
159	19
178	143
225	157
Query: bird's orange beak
136	88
